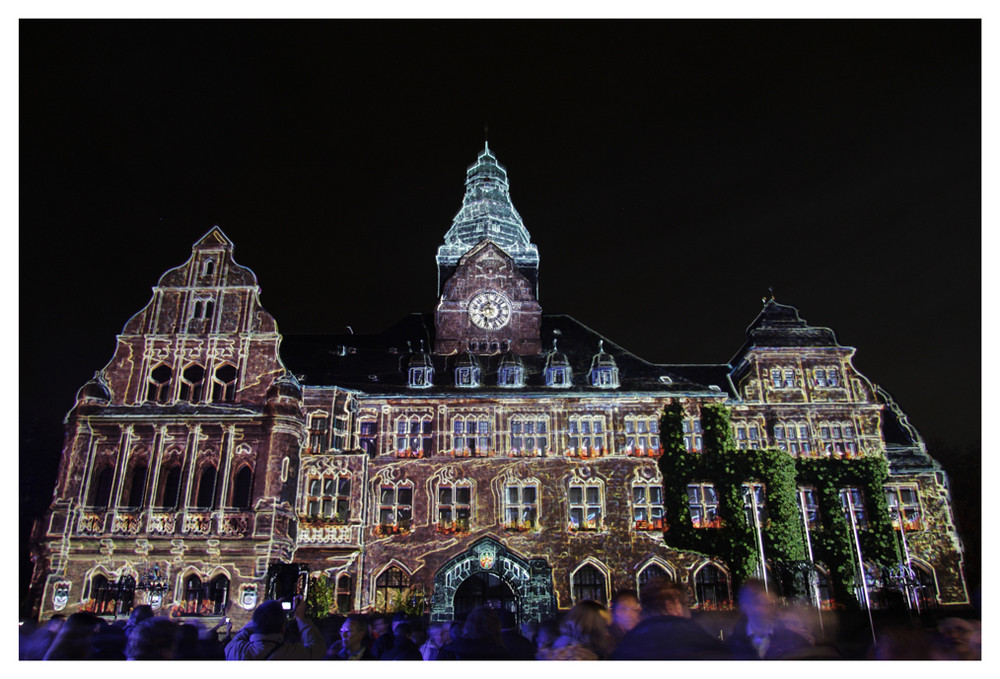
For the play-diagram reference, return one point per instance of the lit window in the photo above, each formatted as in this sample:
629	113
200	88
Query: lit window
586	435
851	498
414	436
753	498
390	588
521	506
642	435
904	507
329	498
395	509
789	377
367	436
703	504
529	435
647	506
454	508
318	433
472	435
585	507
589	585
810	502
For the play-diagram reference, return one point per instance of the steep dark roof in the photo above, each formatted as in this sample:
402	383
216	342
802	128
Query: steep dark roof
377	363
779	325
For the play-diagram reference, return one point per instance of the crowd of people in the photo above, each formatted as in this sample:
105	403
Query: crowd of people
654	625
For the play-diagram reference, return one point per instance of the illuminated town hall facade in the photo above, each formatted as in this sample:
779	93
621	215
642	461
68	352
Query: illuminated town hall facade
485	452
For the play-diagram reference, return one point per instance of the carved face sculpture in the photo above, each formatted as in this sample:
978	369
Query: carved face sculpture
60	595
489	310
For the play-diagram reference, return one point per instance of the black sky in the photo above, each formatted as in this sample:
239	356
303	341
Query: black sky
670	172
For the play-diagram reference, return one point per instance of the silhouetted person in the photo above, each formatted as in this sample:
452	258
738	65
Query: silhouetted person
583	634
153	639
666	630
403	647
517	646
480	639
757	634
959	634
548	632
438	637
37	643
381	635
265	637
353	641
625	614
138	614
74	641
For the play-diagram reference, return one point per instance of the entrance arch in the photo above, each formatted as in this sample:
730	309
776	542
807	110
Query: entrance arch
491	570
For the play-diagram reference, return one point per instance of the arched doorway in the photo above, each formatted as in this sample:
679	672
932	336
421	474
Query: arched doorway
484	589
489	572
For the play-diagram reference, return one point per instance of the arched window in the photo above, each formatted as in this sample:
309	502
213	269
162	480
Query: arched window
158	387
224	384
390	588
209	267
137	488
344	593
126	594
242	487
171	487
104	595
218	592
194	594
589	583
206	488
652	571
100	488
711	588
192	383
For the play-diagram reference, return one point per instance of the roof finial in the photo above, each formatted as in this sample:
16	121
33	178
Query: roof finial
600	346
555	340
486	137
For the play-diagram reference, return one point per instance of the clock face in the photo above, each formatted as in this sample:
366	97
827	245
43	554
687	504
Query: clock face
489	310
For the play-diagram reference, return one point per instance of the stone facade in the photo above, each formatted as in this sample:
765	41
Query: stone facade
514	464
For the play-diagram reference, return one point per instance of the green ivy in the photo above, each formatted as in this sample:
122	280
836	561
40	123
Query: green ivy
322	597
728	468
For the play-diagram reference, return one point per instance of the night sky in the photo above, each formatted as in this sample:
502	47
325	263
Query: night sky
670	172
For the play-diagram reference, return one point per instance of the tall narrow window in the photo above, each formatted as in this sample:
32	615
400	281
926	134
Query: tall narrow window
521	507
711	587
137	487
192	383
100	488
218	591
206	488
454	508
224	384
753	498
367	434
647	506
242	488
344	589
319	432
194	595
904	507
589	585
851	498
692	434
585	507
703	504
810	502
158	387
171	488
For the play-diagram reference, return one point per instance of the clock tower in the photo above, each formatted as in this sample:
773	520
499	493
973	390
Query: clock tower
487	272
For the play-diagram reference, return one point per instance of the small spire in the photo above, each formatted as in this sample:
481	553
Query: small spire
555	340
600	346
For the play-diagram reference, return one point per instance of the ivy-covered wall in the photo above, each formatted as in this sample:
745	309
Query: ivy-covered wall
735	541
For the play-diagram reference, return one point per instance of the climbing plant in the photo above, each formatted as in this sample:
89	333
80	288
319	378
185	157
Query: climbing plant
734	541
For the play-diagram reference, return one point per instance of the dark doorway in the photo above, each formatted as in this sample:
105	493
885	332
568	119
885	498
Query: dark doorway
484	589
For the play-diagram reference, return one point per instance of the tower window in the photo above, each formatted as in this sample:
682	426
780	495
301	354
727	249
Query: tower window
224	384
158	387
192	383
206	488
242	488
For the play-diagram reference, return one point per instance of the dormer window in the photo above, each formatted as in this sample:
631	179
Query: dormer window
421	377
604	377
467	376
826	377
510	374
558	376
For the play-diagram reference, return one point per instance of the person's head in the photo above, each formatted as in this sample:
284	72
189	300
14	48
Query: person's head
798	619
402	630
437	634
153	639
380	625
587	624
482	623
75	636
625	609
758	604
958	632
455	629
269	618
661	596
352	631
508	621
140	613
